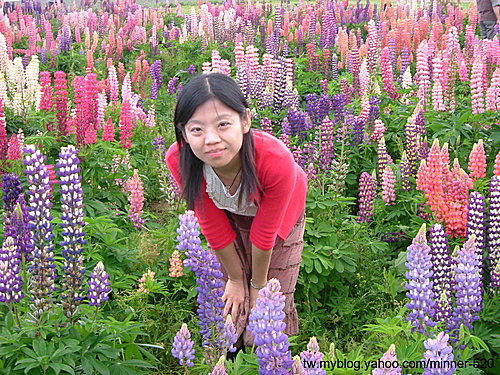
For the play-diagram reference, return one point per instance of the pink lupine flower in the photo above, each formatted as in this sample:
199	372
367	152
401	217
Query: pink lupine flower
61	98
46	101
378	131
367	192
493	92
496	168
387	73
423	76
146	278
388	358
14	151
4	142
108	133
477	161
136	198
477	86
113	84
126	125
175	269
388	185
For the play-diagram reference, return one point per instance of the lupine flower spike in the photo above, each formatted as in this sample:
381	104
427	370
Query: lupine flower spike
389	357
99	286
220	368
182	349
439	351
313	355
175	269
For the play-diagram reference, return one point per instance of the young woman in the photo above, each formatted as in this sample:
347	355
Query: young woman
246	191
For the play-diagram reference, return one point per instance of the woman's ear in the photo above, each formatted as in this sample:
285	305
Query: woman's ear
248	121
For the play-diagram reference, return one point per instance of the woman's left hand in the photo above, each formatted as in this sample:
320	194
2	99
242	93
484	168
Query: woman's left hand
254	294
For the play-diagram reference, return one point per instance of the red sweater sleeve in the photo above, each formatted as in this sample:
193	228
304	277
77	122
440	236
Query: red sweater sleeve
279	174
214	223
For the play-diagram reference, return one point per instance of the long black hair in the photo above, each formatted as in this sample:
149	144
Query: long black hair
199	90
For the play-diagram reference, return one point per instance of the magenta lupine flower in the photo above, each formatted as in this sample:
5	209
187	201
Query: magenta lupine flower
43	269
313	355
72	225
387	73
378	130
476	224
389	357
439	351
389	185
493	231
367	193
99	286
442	269
209	278
11	281
182	348
220	367
468	290
267	325
420	283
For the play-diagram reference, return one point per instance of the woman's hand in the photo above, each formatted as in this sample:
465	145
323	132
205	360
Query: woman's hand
234	295
254	294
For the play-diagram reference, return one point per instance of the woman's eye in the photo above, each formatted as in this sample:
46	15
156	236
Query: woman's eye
223	124
195	130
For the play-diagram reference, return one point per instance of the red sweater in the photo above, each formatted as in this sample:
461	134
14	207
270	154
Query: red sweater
285	189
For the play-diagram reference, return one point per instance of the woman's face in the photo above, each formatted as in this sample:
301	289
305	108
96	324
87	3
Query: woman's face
215	135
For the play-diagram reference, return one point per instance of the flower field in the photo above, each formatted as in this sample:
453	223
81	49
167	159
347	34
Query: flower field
393	111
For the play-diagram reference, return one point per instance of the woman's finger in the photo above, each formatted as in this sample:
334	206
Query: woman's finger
226	308
234	310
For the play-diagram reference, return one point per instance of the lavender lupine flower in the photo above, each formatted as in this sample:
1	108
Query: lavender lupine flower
339	102
374	112
420	283
297	367
318	108
99	286
172	89
267	325
468	290
229	335
357	128
367	193
442	267
11	282
313	356
327	151
439	351
72	228
192	69
43	269
494	231
220	367
267	125
156	75
12	188
182	348
159	144
389	358
65	39
476	224
209	278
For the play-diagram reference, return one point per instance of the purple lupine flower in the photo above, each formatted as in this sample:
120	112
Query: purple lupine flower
335	66
367	193
279	86
266	125
420	283
405	60
339	102
159	144
72	228
374	112
182	348
357	129
318	108
43	268
156	75
297	367
192	69
327	150
267	325
442	268
65	39
468	290
313	356
298	123
172	89
439	351
476	224
385	366
229	335
384	158
220	367
406	184
12	188
412	137
43	56
209	278
494	232
99	286
11	281
423	149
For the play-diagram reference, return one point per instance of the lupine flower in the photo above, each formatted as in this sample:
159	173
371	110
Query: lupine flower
11	281
439	351
389	357
72	224
209	278
146	278
156	75
388	185
14	149
229	335
468	290
442	267
494	231
136	199
220	368
496	168
367	193
192	69
313	355
405	168
99	286
108	133
476	223
384	158
267	325
12	188
175	269
477	86
420	283
477	161
43	269
126	125
297	367
182	348
378	131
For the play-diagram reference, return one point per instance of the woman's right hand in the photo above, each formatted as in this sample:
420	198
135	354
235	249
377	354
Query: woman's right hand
234	295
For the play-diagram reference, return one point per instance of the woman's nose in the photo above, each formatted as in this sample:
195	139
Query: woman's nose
212	136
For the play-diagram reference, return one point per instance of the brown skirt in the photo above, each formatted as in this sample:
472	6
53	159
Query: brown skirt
285	266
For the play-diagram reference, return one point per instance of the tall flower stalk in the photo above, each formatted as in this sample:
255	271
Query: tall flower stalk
72	229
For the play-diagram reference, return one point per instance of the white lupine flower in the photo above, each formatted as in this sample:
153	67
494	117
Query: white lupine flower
4	54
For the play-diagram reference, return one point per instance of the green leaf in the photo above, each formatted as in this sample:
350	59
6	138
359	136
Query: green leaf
100	367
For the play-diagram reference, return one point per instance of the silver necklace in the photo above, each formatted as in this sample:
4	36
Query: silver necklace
228	187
